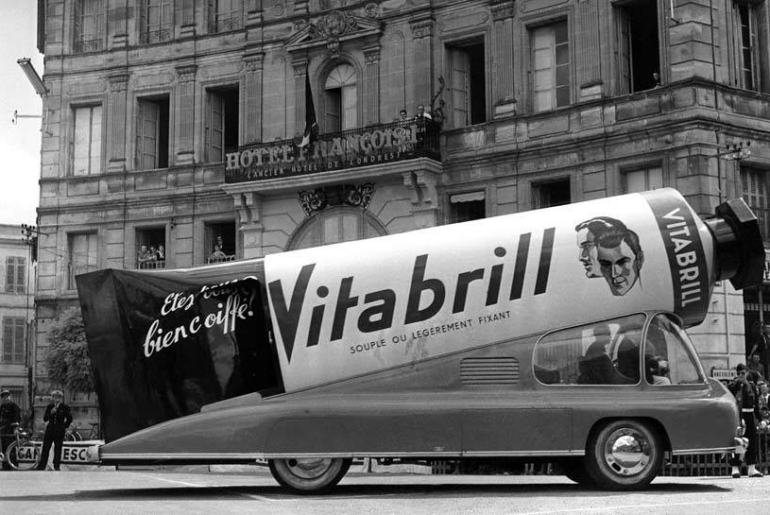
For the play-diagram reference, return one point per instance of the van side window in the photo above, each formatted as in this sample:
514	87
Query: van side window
601	353
668	354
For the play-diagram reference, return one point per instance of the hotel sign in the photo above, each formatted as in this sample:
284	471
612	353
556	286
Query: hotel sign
284	159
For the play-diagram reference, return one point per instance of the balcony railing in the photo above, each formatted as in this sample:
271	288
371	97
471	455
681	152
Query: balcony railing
87	45
226	23
156	36
151	265
220	259
372	145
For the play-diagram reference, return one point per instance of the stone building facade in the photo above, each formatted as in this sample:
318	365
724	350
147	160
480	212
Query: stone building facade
17	297
176	123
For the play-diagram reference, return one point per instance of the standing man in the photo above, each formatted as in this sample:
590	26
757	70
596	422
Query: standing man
59	418
9	414
746	396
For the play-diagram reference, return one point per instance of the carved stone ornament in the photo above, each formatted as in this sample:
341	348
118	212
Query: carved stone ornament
503	9
319	199
330	29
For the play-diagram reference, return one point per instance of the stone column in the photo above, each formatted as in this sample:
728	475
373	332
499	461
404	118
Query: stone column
117	117
502	60
300	70
185	115
422	185
249	206
252	98
422	30
372	85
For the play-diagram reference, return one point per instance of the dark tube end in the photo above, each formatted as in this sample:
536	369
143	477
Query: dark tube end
740	254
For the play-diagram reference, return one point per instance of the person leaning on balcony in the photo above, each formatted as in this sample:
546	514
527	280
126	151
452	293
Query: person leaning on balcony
143	256
9	414
422	113
160	254
747	397
217	255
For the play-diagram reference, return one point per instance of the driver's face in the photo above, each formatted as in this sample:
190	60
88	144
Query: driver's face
588	253
619	267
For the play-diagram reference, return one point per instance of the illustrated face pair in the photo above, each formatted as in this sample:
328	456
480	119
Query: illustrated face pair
607	248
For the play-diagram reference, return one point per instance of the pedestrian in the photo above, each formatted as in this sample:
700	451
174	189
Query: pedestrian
10	414
747	397
59	417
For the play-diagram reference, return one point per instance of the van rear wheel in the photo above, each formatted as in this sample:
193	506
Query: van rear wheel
624	455
309	475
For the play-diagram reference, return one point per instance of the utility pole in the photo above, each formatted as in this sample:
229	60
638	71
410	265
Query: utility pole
29	237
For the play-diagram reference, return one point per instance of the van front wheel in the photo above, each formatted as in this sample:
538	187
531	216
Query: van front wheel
309	475
624	455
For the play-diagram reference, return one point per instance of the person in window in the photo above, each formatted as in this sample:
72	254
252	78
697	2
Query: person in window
10	414
596	366
746	396
657	371
144	256
402	116
160	254
217	255
422	113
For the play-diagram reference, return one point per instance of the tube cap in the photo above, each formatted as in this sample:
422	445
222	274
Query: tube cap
740	254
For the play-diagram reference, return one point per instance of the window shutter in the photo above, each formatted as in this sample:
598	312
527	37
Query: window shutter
95	155
19	337
21	264
147	144
7	339
459	83
10	275
216	128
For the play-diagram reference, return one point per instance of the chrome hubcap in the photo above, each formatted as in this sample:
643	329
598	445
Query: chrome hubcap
309	468
627	452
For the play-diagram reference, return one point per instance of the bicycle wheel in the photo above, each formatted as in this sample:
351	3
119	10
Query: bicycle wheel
22	455
72	436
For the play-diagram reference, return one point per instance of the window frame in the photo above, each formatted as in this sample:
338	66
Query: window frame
76	267
81	44
347	91
551	24
18	346
92	159
163	153
215	94
14	267
165	28
646	168
317	220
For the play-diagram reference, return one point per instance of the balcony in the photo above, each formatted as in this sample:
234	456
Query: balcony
372	145
82	45
151	264
156	36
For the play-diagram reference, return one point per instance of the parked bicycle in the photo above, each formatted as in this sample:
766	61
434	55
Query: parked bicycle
24	452
77	434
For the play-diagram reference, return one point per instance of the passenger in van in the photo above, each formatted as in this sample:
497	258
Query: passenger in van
657	370
628	358
596	366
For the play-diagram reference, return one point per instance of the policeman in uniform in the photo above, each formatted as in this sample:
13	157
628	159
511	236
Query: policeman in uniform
9	414
59	417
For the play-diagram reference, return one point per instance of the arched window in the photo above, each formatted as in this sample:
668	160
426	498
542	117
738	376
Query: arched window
335	225
341	99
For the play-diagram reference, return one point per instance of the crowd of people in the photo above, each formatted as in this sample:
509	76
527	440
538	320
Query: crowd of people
146	256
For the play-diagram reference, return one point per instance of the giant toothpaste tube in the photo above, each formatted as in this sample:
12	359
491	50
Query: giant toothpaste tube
349	309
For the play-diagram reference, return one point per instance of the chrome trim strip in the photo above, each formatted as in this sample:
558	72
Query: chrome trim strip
517	454
703	451
261	456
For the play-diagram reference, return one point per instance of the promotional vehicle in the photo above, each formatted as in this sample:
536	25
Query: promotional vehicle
551	334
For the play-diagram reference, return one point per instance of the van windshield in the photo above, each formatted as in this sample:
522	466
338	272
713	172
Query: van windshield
604	353
668	355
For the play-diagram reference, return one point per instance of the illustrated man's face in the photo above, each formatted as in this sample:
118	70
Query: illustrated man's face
588	253
619	267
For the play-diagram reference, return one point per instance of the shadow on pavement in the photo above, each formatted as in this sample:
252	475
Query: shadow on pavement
251	493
